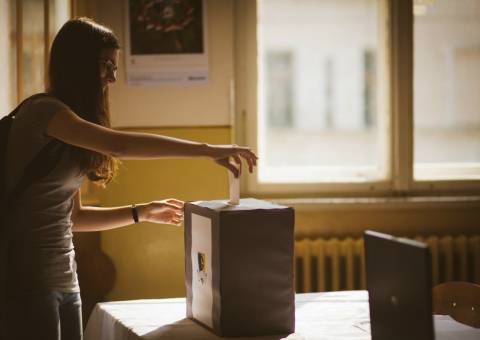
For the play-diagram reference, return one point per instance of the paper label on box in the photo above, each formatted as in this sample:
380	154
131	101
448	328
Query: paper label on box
202	292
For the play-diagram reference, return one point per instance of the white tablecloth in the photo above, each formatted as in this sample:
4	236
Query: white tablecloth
332	315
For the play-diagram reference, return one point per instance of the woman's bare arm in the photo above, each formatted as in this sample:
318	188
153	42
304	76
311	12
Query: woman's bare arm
168	211
71	129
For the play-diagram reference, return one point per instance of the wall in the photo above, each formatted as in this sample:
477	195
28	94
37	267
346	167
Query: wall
149	258
177	105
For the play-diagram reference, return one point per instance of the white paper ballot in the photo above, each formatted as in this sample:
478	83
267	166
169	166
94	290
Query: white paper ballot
234	187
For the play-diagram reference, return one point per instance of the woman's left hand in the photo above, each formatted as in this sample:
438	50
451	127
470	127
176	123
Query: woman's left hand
221	154
169	211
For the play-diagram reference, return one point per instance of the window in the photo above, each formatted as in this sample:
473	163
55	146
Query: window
328	95
28	28
317	77
447	88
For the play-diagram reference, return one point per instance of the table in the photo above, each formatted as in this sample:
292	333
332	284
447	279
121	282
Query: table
331	315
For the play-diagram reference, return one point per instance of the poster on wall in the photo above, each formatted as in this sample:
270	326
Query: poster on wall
166	42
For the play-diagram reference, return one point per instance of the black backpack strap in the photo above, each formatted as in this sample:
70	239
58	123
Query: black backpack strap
5	126
14	112
41	165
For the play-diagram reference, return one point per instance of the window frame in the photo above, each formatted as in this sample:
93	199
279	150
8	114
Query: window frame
398	88
17	8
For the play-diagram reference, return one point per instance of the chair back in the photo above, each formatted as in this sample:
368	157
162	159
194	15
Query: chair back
460	300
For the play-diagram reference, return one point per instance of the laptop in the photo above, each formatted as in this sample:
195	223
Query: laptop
399	287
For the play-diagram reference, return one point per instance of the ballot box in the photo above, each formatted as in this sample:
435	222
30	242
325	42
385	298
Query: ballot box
239	267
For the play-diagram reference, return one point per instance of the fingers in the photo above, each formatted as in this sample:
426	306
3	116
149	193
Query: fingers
237	160
174	205
249	156
250	162
248	152
175	202
225	163
169	211
177	218
232	168
176	222
237	153
252	156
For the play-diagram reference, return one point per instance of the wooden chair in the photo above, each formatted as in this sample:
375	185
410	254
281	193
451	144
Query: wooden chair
460	300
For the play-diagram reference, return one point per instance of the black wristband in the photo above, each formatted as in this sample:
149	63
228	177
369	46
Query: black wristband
134	213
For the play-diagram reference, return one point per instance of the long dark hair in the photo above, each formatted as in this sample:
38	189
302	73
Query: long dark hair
74	78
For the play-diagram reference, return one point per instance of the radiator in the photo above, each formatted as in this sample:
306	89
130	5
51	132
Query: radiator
339	264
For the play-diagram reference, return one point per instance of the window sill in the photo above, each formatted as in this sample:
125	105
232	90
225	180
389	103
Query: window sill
382	203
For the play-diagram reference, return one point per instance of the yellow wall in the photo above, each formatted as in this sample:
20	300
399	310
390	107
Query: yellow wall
176	105
149	258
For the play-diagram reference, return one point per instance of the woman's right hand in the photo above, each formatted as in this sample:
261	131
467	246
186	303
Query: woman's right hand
169	211
221	154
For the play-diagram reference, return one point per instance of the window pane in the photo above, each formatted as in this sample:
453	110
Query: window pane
319	77
32	67
7	55
59	14
33	47
447	88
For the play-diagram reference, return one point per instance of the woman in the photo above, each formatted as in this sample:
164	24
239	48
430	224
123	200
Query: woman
43	290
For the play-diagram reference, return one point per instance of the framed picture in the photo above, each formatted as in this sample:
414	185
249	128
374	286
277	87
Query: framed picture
166	42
